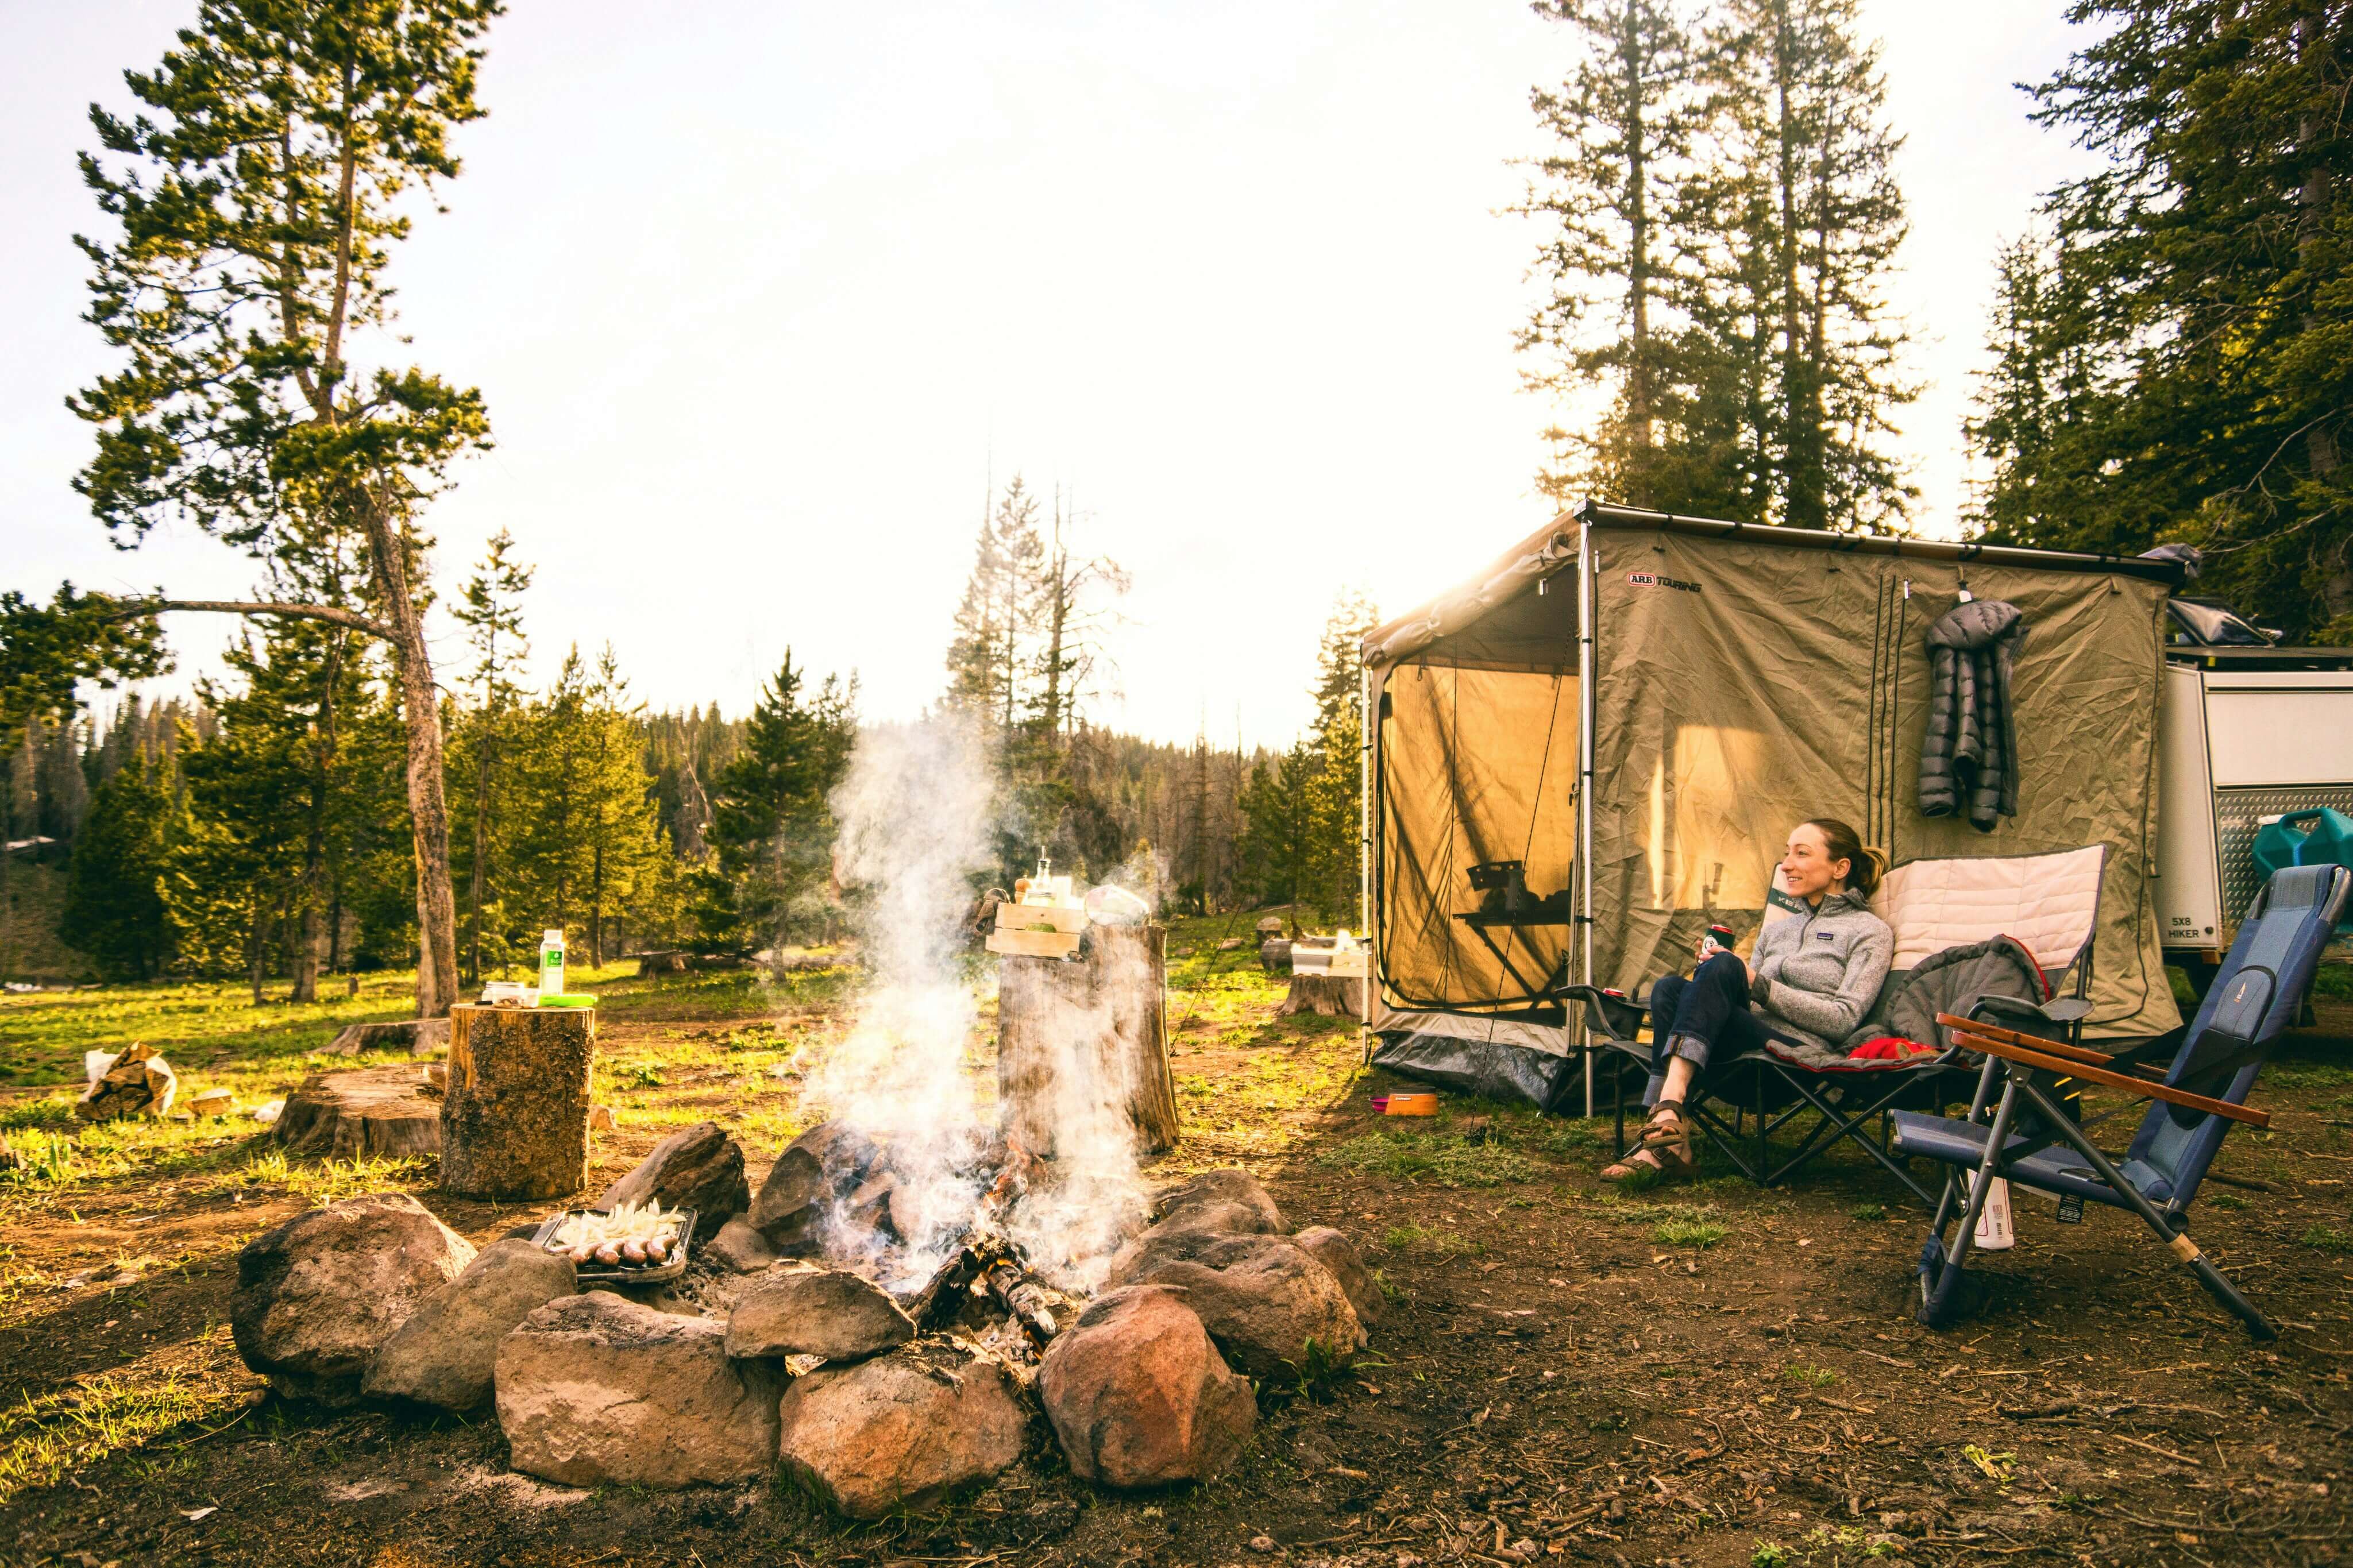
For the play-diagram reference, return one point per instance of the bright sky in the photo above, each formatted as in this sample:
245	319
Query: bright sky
761	295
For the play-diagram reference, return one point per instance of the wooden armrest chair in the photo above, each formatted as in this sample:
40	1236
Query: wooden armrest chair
2034	1143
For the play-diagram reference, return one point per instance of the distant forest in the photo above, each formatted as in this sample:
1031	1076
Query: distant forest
258	830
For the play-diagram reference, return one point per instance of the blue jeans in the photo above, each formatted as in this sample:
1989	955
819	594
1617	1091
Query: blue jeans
1693	1018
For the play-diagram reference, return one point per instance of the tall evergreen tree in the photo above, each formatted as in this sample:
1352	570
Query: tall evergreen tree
113	909
1789	234
997	620
491	610
257	196
2201	297
1622	123
771	829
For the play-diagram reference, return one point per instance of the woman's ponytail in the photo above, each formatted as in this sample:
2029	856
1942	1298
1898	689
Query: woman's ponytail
1866	863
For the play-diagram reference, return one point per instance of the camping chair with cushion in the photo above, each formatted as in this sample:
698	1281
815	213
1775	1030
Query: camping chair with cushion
2257	995
1981	937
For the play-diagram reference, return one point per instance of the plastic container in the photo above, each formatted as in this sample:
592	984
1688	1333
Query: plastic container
1412	1102
2320	837
574	999
551	965
1994	1233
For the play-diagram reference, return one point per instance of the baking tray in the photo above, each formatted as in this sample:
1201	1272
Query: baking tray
601	1274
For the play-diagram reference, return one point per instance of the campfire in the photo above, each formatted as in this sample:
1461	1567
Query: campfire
915	1278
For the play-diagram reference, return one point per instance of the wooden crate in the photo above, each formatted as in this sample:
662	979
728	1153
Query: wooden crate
1068	917
1033	943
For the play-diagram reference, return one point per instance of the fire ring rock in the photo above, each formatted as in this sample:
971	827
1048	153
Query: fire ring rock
902	1431
1336	1252
316	1296
445	1354
1264	1298
814	1312
1139	1396
596	1390
698	1167
824	1163
1227	1200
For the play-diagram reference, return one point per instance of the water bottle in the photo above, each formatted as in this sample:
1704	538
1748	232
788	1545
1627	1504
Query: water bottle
550	963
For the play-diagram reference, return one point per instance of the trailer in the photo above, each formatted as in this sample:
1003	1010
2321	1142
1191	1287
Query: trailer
2248	732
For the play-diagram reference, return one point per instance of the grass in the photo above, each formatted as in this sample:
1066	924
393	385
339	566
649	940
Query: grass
1688	1233
1436	1243
1441	1159
2329	1238
1810	1376
45	1439
1869	1214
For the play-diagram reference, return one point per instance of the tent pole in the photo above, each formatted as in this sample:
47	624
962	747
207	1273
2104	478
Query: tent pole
1368	759
1585	789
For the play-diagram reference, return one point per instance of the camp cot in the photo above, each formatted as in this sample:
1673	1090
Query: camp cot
1590	753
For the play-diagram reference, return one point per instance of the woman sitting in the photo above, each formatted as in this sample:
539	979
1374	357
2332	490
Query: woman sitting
1809	980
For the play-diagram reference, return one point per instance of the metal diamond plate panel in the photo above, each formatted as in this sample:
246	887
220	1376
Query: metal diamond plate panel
2238	817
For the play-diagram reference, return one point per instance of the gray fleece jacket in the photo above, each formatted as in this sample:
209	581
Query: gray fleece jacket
1824	970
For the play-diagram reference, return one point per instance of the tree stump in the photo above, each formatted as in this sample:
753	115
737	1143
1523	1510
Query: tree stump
1325	996
387	1113
1103	1018
417	1036
514	1117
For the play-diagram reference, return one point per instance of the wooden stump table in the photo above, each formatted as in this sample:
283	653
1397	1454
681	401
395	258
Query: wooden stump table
1106	1015
514	1115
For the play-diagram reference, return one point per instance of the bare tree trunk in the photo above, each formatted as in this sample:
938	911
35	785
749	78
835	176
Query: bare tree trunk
315	848
437	908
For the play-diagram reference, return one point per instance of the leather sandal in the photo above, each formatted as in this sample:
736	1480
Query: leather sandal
1664	1146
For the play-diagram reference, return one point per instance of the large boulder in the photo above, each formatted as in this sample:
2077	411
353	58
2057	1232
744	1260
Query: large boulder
316	1296
906	1430
815	1312
595	1390
1336	1252
698	1167
1264	1298
1224	1200
1139	1396
444	1355
823	1163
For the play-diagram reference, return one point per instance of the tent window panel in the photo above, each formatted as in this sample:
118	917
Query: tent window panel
1477	766
1714	828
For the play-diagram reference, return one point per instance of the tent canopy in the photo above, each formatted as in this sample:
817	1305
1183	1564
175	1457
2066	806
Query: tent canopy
1743	679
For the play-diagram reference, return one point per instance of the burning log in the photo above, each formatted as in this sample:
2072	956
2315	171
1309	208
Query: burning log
1030	1301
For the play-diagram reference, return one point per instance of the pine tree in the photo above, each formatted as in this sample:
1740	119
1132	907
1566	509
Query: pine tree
113	908
2201	310
1794	351
622	830
1622	123
491	610
771	829
255	200
997	620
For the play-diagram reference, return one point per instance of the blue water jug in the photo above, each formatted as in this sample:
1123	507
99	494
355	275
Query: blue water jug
2320	837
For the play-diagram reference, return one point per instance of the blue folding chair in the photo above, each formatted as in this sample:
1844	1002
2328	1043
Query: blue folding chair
2258	994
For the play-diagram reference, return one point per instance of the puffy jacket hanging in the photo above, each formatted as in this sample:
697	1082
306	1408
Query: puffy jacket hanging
1968	758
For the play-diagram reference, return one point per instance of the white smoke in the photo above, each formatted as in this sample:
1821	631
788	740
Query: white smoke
919	811
916	810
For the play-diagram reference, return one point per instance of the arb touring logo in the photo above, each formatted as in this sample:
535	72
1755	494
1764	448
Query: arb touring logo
1653	580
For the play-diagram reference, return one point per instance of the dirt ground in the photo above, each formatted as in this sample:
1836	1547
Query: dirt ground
1705	1375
